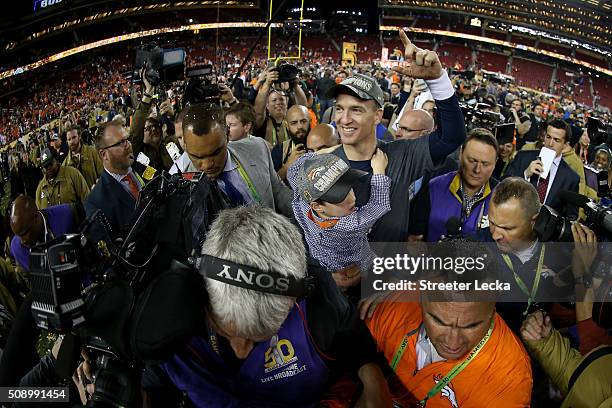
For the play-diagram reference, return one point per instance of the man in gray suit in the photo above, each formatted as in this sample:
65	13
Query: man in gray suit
242	169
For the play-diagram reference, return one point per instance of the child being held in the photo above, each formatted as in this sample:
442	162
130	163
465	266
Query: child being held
324	206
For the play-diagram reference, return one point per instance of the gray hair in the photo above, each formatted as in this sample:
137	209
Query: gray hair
255	236
522	190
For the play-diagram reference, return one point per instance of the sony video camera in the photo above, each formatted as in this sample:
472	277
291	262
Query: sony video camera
136	299
161	64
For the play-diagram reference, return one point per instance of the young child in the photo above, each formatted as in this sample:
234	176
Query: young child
324	205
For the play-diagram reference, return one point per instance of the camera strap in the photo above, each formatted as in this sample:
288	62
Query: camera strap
248	277
521	284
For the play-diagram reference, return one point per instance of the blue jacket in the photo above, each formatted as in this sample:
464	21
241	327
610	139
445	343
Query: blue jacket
116	204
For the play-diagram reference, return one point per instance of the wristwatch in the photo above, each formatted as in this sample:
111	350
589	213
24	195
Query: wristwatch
586	280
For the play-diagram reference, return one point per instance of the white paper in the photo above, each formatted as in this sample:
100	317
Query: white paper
547	156
173	151
143	159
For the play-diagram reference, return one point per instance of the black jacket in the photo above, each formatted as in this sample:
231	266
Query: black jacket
565	179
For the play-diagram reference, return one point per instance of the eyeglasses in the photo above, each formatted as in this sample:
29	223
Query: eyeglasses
149	128
405	129
123	143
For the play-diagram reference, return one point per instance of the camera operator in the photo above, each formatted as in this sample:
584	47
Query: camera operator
31	227
584	380
521	121
513	210
295	337
590	334
243	169
271	106
146	134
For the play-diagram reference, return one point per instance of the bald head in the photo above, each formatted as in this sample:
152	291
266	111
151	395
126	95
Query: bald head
322	136
415	124
26	221
298	123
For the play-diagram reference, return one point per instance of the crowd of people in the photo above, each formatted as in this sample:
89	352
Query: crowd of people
314	169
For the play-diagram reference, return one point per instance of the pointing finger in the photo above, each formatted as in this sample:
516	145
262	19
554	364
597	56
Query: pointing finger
409	47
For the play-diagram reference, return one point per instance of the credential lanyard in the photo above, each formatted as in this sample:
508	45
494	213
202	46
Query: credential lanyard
521	283
274	138
453	372
247	180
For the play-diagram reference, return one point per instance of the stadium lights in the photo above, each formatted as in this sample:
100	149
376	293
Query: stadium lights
502	43
126	37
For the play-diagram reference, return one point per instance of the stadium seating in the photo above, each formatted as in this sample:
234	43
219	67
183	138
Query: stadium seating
531	73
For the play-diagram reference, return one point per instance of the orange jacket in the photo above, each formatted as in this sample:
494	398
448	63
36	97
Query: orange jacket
499	376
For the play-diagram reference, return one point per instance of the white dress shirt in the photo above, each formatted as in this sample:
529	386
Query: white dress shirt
551	174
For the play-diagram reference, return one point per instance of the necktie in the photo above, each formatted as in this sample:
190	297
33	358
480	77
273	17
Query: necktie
542	187
134	190
232	192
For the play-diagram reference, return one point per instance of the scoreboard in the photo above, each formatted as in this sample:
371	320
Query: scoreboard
42	5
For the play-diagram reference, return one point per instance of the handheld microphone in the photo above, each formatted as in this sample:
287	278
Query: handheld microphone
453	227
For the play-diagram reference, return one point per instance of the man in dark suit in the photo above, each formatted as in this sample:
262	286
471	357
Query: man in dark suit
242	169
118	188
528	165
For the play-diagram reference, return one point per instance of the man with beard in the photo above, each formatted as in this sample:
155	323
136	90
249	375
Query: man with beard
60	185
298	127
82	157
117	190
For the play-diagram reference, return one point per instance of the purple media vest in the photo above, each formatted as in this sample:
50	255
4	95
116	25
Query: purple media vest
445	202
285	371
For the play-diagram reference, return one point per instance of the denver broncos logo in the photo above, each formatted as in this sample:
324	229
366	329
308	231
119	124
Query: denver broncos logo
447	391
316	172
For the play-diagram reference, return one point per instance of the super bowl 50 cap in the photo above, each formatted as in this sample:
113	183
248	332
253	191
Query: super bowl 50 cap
361	86
326	177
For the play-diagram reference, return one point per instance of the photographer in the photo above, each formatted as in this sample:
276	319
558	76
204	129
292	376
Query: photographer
513	210
146	133
295	337
590	334
583	380
271	106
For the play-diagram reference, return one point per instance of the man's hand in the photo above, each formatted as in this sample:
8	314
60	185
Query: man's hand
536	167
375	389
166	109
367	306
226	93
420	63
536	327
585	249
271	76
347	277
149	89
418	87
297	152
